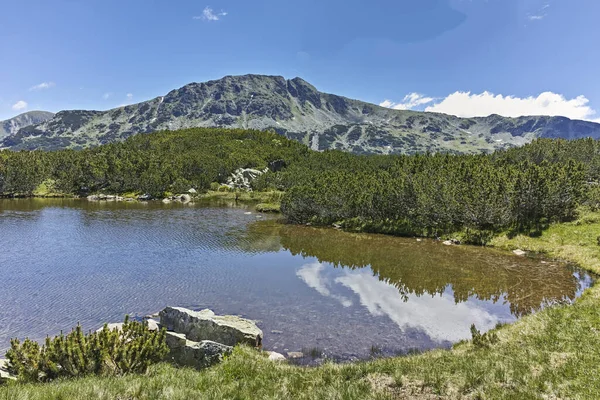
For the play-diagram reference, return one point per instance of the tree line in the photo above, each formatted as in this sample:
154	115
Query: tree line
520	189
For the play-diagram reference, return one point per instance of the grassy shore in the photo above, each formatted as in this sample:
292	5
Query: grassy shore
554	354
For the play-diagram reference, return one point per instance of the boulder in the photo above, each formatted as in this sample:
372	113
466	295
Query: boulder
192	191
185	198
205	325
187	353
242	178
153	325
5	376
273	356
520	253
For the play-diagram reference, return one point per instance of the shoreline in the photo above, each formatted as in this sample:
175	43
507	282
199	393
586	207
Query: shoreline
532	351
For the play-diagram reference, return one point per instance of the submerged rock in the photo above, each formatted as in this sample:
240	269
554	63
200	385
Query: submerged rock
295	354
205	325
187	353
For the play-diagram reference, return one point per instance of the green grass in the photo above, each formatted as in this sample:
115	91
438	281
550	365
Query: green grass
273	197
554	354
268	207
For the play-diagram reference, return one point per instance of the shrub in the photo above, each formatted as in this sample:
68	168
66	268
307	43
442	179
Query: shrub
484	340
106	352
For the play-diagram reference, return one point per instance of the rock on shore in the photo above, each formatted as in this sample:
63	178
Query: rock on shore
205	325
5	376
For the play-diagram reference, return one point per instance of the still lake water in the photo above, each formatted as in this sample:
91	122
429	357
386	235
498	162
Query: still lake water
69	261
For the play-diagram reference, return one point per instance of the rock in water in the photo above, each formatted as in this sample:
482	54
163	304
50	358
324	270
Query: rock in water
188	353
5	376
205	325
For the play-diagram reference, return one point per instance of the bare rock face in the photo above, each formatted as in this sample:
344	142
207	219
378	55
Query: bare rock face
187	353
205	325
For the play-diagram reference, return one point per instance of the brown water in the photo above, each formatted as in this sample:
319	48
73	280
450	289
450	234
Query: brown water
69	261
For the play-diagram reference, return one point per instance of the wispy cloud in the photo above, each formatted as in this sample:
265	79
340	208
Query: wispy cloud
107	95
208	14
410	101
540	14
129	96
42	86
20	105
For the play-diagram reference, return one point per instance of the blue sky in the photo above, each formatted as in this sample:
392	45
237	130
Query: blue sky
465	57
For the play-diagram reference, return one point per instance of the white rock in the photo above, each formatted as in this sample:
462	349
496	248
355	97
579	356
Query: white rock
448	243
295	354
205	325
5	376
153	325
192	191
273	356
520	252
198	355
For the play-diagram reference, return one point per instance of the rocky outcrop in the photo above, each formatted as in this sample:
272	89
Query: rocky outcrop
205	325
243	177
5	376
188	353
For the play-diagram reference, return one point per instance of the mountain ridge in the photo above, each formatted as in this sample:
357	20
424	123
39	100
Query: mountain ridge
12	125
296	109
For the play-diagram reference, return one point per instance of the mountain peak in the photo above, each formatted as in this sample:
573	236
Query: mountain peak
296	109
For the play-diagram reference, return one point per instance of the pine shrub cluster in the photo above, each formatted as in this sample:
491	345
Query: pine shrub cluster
131	349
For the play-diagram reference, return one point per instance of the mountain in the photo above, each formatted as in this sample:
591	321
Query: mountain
296	109
12	126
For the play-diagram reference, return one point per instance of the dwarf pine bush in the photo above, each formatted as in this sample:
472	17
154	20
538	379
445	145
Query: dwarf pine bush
106	352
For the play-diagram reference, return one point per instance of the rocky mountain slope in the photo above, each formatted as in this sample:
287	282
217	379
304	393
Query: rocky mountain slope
296	109
12	126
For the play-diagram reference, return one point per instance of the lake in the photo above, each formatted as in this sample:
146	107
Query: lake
349	295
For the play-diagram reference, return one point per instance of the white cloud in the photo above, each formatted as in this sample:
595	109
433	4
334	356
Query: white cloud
540	14
42	86
106	96
129	96
467	104
19	105
208	14
409	102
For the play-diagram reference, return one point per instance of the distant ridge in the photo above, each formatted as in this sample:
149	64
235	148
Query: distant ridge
296	109
12	125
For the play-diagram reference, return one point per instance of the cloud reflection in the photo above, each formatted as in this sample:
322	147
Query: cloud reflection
439	316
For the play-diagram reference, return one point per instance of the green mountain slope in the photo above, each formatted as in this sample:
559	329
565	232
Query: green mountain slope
296	109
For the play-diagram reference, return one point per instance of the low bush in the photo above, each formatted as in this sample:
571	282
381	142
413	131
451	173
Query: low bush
131	349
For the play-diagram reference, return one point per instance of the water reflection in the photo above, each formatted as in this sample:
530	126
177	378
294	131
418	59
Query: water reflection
69	261
417	268
436	315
